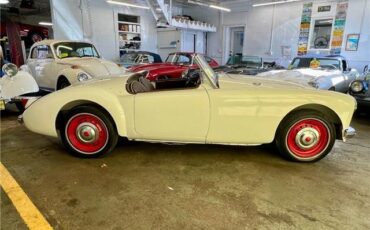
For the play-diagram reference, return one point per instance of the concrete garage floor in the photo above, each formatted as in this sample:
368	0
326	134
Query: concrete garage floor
155	186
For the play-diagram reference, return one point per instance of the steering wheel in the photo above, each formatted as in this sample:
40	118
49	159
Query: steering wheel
193	77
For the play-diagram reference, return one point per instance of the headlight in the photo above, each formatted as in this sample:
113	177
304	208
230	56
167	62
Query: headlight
357	86
83	77
10	69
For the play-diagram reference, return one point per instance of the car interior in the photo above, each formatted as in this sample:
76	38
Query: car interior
138	83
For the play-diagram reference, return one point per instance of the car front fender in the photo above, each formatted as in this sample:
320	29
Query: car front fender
62	101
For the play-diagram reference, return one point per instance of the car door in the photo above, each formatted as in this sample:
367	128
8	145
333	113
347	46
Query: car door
41	65
172	115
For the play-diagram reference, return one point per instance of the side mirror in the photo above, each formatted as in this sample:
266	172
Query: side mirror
10	69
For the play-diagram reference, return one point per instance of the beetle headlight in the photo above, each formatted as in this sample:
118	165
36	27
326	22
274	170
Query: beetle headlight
83	76
357	86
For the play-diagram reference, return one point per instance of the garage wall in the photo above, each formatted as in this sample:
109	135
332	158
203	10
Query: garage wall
96	21
270	28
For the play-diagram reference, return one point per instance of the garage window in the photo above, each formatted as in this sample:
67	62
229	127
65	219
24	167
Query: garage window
321	34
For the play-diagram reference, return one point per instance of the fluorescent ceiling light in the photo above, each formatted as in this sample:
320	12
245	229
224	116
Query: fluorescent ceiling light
274	3
4	1
128	4
220	8
197	3
46	23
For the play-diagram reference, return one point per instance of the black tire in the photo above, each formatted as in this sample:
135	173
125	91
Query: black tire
314	139
85	119
63	83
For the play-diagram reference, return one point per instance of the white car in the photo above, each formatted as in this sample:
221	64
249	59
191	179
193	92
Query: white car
199	108
57	64
14	85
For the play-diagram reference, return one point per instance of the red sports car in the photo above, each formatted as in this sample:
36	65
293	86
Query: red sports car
173	67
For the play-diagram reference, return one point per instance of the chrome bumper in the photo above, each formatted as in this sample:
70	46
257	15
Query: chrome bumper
20	119
349	133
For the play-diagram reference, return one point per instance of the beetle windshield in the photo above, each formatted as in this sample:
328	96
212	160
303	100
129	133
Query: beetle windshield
75	49
207	70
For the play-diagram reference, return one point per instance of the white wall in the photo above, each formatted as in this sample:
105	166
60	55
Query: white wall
358	21
97	22
283	21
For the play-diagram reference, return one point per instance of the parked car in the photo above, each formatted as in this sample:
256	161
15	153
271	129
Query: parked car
173	67
359	89
14	87
134	58
209	110
57	64
247	65
327	73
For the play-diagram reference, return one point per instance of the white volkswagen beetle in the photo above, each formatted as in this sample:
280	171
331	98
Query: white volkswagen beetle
56	64
198	108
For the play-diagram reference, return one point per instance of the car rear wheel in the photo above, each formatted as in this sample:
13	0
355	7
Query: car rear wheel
89	132
305	136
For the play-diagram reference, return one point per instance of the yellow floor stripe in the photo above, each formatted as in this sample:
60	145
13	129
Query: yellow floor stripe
26	209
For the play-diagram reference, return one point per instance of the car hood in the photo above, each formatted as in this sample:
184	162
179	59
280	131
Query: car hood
236	81
94	66
299	76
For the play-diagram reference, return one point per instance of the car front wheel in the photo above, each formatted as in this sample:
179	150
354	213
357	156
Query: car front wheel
305	136
89	132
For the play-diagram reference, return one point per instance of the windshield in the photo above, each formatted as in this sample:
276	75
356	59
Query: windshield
184	59
75	49
325	63
248	61
207	70
129	58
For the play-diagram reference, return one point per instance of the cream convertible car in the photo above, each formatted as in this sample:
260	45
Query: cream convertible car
200	108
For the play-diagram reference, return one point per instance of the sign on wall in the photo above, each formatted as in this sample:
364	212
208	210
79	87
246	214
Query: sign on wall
339	23
304	29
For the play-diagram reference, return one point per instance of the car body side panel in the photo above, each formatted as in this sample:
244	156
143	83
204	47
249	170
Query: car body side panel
172	115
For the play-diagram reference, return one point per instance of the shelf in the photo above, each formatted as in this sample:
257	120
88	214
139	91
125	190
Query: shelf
132	23
128	32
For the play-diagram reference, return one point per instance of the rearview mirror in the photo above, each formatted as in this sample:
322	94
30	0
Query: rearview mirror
10	69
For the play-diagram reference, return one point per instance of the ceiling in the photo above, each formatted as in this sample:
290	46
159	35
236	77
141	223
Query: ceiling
27	7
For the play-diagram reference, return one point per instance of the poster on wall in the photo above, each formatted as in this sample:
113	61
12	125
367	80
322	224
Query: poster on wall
304	29
352	42
339	23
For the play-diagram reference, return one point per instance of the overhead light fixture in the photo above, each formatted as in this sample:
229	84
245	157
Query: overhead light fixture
197	3
46	23
220	8
128	4
274	3
4	1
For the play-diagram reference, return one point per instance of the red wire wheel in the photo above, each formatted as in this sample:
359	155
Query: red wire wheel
308	138
86	133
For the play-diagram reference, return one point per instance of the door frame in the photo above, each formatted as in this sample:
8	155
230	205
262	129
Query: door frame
227	40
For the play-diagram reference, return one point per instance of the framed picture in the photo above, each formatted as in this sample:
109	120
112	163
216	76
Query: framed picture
352	42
